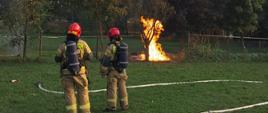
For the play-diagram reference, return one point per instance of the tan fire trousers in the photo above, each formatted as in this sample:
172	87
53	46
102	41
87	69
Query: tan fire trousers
80	83
117	82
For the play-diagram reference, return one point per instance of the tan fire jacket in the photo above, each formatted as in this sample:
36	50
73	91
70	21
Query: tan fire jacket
109	55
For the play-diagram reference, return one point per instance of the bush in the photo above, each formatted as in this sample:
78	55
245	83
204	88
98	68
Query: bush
204	53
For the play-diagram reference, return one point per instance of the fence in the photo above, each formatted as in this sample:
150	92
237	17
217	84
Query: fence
229	43
221	47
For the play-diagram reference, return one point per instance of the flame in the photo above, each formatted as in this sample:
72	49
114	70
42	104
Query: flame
152	31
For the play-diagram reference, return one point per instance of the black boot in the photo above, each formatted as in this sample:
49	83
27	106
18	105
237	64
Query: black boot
124	108
113	109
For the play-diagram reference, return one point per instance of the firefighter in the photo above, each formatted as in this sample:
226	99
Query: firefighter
72	56
113	67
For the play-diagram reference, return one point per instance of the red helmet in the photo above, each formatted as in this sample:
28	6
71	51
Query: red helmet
74	29
114	32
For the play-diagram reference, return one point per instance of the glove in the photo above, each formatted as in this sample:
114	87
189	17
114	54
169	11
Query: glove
104	71
58	59
89	57
104	75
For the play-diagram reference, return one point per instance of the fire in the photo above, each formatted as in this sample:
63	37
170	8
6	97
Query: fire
152	31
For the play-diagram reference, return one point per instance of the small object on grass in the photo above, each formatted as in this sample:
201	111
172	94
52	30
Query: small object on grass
13	81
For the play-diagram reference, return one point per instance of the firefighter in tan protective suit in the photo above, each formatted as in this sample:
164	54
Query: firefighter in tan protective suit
72	56
113	67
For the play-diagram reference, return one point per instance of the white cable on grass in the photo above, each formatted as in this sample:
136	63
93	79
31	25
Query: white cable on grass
60	92
155	84
48	91
178	83
236	109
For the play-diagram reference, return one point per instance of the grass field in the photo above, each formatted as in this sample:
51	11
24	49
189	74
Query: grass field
25	97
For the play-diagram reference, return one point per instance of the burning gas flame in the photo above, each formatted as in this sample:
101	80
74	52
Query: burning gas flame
152	31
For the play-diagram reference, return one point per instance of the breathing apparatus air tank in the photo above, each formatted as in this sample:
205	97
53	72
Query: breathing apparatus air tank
73	64
121	57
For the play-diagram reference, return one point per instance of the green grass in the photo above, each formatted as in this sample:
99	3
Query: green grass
50	44
25	97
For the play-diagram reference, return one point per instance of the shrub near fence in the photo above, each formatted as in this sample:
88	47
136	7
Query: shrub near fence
226	48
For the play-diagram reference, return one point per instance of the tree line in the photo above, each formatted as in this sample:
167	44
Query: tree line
23	18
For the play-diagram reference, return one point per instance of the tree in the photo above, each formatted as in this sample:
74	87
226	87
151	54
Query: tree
68	9
20	16
16	22
2	7
197	15
263	22
108	13
39	15
241	16
160	10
